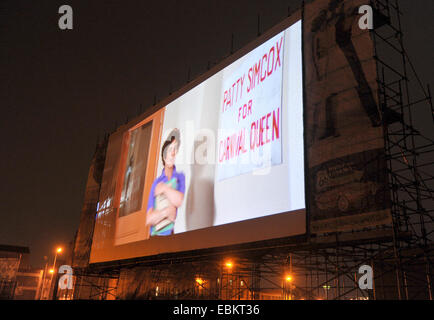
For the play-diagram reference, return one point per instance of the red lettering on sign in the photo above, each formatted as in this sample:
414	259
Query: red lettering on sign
278	47
263	74
269	72
276	124
267	139
260	129
264	68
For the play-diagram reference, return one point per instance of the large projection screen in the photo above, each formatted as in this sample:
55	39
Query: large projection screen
233	151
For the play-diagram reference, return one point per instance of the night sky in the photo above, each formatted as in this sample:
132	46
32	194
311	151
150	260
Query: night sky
60	90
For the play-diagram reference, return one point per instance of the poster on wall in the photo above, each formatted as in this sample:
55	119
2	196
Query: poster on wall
344	136
83	238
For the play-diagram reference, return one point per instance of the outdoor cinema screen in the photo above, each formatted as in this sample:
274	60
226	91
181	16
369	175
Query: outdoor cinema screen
220	164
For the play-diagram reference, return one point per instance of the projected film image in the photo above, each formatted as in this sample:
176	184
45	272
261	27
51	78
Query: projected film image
242	150
229	150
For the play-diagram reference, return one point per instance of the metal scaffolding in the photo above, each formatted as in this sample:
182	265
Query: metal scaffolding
322	266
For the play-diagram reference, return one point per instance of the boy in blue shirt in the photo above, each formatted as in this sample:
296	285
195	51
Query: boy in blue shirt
167	191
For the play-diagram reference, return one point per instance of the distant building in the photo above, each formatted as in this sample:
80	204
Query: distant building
17	279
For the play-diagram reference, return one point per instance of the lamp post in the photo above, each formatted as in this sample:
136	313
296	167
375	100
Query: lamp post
53	270
287	281
286	286
41	296
228	264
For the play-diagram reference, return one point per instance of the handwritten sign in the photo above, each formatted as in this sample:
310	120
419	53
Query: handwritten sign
250	127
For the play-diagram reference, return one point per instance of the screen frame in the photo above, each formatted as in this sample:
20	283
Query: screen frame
129	251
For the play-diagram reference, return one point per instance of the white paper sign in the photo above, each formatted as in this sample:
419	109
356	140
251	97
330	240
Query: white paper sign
250	131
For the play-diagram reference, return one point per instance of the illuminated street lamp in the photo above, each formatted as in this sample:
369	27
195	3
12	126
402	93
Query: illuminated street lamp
288	279
52	270
229	264
200	283
58	250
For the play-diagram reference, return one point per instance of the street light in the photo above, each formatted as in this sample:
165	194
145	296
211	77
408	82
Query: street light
200	283
58	250
52	270
288	278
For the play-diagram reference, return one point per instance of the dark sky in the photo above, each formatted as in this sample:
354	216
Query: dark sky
59	89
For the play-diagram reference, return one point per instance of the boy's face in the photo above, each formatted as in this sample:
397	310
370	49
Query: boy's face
171	152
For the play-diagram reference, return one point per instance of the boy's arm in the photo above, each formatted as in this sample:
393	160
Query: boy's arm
176	197
155	216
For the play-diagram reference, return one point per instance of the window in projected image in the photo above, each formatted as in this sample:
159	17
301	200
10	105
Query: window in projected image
135	170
